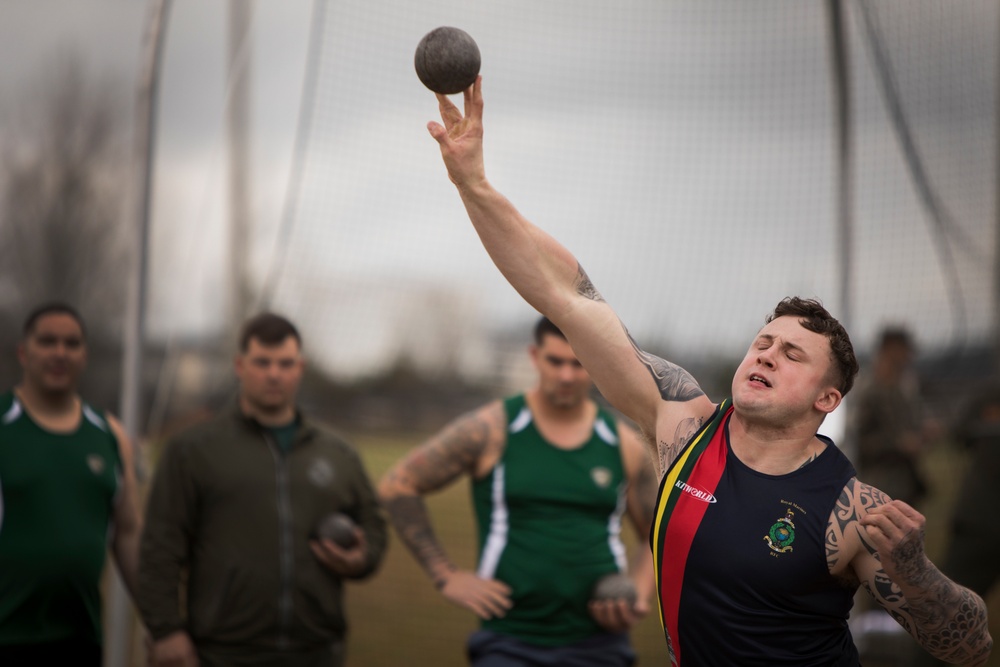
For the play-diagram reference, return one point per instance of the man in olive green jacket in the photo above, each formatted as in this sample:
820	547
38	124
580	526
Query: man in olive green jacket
232	513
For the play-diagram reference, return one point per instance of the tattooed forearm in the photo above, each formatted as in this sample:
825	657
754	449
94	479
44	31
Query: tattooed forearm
950	622
454	451
410	518
674	383
947	620
584	287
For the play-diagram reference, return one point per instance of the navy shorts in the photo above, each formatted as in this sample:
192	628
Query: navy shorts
490	649
72	652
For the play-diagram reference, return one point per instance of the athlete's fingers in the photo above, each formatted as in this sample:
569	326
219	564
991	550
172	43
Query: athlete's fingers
449	112
438	131
613	615
473	96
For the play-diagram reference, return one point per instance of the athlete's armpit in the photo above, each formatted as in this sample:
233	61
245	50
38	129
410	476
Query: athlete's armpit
668	451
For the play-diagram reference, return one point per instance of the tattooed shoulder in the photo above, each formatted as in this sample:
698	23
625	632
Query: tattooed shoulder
855	499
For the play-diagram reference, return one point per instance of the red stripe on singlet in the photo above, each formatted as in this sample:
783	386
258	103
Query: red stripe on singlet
683	514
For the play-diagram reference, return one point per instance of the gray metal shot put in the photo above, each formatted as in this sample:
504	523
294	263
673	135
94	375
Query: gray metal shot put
447	60
338	528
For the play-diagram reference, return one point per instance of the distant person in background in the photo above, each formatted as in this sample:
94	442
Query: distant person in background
552	475
973	551
887	422
230	524
67	490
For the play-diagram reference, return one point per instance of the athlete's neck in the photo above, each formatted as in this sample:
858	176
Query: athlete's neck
270	418
566	427
773	451
55	411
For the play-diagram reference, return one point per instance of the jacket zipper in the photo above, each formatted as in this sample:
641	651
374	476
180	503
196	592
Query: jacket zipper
286	553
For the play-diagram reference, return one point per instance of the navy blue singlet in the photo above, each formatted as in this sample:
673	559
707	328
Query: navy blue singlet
740	559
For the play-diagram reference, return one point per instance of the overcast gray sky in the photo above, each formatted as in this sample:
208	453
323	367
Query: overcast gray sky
683	150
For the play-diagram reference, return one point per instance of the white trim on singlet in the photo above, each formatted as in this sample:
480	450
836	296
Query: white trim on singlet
605	432
521	421
91	415
615	543
13	413
496	540
9	417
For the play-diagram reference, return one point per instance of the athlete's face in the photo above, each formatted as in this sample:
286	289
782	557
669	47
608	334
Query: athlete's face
270	376
785	374
53	354
562	380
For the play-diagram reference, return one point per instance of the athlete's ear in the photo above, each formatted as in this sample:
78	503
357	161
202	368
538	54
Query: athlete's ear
828	400
533	353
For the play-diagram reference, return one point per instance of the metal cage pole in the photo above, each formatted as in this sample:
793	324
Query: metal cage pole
118	618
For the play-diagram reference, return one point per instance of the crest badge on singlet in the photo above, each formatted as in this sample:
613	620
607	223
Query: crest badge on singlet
781	535
95	463
601	476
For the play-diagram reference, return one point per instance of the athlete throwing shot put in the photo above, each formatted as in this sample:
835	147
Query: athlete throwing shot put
762	532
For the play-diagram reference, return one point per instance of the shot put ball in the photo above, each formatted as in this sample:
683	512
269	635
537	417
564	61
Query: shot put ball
447	60
614	586
338	528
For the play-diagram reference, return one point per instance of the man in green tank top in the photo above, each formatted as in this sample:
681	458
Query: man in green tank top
67	492
552	475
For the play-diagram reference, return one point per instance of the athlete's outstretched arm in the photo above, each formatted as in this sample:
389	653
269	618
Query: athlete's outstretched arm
884	539
456	450
549	277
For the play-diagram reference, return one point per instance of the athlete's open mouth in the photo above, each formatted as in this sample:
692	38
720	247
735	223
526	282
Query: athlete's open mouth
757	378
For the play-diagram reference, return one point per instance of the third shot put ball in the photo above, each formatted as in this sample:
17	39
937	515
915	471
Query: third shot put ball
338	528
614	586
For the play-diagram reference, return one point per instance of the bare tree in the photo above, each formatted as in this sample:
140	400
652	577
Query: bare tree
62	194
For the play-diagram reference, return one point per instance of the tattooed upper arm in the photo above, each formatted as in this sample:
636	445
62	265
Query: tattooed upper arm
674	383
848	545
844	534
451	452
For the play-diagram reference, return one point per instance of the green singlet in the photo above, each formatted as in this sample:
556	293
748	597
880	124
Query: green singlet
56	497
549	526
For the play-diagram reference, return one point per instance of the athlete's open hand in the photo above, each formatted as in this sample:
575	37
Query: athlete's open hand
461	136
617	615
174	650
896	530
486	598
